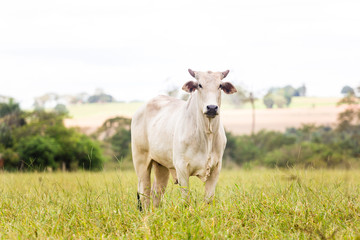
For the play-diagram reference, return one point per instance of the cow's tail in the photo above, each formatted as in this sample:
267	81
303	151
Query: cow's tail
139	202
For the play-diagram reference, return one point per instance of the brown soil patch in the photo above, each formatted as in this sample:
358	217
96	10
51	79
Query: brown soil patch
239	121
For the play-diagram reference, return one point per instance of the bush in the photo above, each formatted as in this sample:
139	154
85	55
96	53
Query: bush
45	142
305	155
11	159
241	149
116	137
244	149
9	108
269	140
38	152
6	138
87	153
61	109
121	143
76	150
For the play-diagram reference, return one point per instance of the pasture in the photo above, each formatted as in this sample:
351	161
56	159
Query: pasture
303	110
267	204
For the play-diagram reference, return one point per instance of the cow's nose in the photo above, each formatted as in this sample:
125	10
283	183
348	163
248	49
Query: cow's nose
212	108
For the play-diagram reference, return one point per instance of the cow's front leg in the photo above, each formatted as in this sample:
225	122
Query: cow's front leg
182	173
210	184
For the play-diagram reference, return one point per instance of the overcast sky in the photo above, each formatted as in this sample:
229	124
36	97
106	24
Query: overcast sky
135	49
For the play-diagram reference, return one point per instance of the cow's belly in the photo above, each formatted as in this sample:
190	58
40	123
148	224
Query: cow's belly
161	146
162	156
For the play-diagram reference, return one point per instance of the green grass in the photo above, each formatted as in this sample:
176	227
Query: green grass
265	204
311	102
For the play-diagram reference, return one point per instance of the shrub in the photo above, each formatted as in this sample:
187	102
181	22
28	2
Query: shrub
74	149
6	138
121	143
38	152
11	159
9	108
269	140
87	153
243	149
116	137
306	155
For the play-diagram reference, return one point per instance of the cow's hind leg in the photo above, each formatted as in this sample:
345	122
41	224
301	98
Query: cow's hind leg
143	171
160	182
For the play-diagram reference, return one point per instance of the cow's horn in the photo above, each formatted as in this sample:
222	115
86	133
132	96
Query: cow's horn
225	73
192	73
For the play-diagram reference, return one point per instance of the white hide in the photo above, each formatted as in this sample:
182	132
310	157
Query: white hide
177	136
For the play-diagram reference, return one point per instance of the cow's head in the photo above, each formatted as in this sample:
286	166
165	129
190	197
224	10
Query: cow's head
208	87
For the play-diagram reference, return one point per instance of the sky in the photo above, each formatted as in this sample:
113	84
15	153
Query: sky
136	49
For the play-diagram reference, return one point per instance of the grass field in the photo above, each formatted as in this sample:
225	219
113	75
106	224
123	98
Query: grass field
99	109
265	204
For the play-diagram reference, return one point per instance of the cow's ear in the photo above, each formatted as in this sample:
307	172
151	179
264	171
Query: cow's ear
190	86
228	88
224	74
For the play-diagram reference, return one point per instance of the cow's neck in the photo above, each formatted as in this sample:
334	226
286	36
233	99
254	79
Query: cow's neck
207	129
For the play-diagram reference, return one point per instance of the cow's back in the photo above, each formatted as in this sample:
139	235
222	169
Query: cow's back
152	128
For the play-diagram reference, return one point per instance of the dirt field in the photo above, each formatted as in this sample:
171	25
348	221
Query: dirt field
239	121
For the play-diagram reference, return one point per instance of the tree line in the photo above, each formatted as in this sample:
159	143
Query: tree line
54	99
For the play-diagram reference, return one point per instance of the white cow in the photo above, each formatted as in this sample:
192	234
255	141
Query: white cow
184	138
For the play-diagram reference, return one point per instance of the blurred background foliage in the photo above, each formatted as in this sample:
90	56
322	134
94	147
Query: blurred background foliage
38	140
281	97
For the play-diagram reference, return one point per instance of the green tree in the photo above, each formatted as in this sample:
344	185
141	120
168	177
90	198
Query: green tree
350	117
301	91
61	109
347	90
268	100
289	92
6	138
282	97
11	117
11	159
9	108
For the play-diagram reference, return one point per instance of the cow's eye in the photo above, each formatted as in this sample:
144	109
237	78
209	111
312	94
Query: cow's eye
200	86
220	86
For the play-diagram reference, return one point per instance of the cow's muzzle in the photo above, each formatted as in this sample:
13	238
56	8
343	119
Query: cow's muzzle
211	111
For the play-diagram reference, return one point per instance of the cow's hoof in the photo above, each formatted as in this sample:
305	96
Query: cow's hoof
139	202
